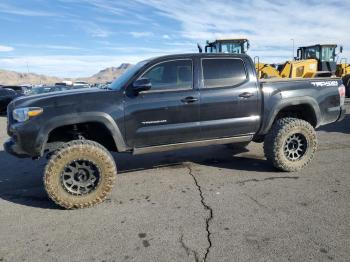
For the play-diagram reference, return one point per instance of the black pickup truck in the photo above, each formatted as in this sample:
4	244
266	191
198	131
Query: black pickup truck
167	103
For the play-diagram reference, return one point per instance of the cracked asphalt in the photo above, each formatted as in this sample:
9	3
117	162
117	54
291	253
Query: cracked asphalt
212	204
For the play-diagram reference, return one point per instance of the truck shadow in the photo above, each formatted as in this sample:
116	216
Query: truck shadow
21	179
21	182
338	127
213	156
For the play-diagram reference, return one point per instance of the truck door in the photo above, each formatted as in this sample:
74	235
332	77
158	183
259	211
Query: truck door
229	99
168	112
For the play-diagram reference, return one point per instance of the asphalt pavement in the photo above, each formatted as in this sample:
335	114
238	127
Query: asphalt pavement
211	203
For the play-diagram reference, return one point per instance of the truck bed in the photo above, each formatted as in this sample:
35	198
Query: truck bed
321	95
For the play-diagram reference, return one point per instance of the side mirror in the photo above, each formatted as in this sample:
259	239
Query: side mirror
341	49
142	84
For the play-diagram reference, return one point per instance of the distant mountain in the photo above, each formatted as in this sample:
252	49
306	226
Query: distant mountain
106	75
16	78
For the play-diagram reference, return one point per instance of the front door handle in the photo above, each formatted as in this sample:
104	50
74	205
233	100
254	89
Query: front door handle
189	99
246	95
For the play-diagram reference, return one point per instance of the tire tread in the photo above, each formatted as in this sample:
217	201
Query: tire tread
272	143
57	156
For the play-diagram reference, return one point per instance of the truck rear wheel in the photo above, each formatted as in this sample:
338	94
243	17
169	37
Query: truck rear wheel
80	174
291	144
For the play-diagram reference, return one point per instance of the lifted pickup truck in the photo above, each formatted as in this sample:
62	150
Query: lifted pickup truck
166	103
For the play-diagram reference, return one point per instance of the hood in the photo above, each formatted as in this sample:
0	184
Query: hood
48	98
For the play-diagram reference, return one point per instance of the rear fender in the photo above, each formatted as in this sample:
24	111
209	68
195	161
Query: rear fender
272	112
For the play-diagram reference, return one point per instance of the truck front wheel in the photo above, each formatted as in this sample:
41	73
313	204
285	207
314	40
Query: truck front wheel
79	174
291	144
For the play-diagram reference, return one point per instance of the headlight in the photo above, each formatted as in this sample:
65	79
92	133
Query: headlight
23	114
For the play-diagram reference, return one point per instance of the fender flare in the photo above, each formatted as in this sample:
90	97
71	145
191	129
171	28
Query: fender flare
273	112
78	118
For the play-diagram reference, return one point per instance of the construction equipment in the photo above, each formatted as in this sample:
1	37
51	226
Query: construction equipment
311	61
318	60
231	45
267	70
238	46
343	71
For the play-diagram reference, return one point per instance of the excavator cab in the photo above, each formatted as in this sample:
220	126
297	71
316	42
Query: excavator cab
324	54
233	46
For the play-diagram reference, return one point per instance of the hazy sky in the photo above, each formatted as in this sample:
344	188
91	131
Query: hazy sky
79	37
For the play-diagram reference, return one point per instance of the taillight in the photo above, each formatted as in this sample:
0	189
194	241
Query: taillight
341	90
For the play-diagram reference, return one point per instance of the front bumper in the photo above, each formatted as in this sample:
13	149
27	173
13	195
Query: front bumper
12	148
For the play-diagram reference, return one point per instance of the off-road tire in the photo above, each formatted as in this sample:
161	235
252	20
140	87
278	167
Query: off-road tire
79	150
275	140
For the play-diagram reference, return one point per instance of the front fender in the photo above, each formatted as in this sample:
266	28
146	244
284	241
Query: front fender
78	118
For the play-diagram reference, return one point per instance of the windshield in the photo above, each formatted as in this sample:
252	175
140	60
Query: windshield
328	54
312	53
124	78
231	48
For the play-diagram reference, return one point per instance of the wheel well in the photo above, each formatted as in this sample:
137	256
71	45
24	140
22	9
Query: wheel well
94	131
304	111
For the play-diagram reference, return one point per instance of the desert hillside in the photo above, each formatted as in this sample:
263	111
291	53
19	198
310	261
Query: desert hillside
106	75
16	78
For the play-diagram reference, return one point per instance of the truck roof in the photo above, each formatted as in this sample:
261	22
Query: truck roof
201	55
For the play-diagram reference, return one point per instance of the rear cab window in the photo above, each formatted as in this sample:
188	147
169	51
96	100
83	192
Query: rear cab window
223	72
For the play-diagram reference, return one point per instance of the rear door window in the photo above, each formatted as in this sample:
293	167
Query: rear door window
223	72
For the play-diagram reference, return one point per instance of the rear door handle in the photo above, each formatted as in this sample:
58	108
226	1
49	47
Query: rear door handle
189	99
246	95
